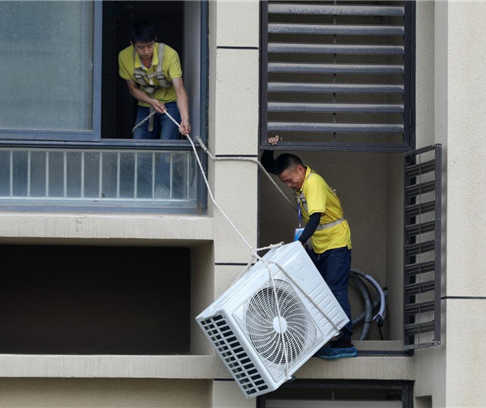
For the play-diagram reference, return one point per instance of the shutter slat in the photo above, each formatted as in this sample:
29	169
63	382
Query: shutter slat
415	229
292	67
421	208
332	107
289	28
417	268
423	307
332	127
336	10
421	188
420	287
417	328
302	48
333	88
420	247
421	168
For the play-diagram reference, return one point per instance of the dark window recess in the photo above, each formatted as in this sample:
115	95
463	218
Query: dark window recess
351	393
118	106
422	251
94	300
338	76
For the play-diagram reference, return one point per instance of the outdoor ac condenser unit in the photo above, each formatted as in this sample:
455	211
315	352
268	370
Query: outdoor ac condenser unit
265	329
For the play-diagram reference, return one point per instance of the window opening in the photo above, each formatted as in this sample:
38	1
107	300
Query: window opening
95	300
335	393
81	170
167	17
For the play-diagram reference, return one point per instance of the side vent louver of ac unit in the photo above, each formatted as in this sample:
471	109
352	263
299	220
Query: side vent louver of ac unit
234	356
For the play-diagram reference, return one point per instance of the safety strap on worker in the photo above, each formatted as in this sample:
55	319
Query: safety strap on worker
146	81
301	201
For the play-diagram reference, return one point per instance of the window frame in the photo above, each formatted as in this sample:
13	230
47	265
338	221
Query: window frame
94	135
92	140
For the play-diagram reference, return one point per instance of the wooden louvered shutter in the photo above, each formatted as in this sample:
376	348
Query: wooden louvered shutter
337	75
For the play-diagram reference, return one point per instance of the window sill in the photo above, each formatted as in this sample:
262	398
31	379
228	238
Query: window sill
111	366
83	227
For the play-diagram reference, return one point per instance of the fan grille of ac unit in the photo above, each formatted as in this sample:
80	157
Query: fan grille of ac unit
234	355
279	339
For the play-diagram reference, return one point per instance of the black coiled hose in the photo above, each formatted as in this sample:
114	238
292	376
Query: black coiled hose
369	304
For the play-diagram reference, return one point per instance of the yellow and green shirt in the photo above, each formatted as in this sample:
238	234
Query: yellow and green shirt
317	197
171	66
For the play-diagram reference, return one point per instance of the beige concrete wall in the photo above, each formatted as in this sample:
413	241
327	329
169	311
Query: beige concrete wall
68	393
452	374
431	91
234	125
466	192
228	394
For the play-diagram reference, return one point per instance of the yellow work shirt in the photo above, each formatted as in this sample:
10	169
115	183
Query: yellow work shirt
316	196
128	60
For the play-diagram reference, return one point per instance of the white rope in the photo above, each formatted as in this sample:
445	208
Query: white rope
250	159
252	250
145	120
236	158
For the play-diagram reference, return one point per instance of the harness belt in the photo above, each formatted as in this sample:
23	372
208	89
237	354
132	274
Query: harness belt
146	80
321	227
302	201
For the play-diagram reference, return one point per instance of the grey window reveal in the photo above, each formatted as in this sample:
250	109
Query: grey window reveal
422	250
338	76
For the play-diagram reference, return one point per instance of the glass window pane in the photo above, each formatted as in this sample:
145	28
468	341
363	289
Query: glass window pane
46	67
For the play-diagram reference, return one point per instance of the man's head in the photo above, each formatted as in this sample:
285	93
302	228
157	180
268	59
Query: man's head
290	170
142	37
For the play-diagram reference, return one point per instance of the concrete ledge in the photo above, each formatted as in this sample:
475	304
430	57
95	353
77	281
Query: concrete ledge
191	367
359	368
111	366
374	363
66	228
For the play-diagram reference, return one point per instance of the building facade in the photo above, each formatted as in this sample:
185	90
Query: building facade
101	313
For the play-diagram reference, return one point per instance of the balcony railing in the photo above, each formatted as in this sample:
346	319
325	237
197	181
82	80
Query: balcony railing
98	177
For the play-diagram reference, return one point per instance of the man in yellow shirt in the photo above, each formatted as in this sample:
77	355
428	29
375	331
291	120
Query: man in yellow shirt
328	231
155	87
153	75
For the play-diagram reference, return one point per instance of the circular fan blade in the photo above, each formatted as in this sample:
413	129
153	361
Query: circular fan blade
266	329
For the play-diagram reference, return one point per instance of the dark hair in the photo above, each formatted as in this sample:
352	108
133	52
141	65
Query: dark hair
285	161
142	31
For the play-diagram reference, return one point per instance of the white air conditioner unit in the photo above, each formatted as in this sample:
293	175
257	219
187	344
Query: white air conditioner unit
261	344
